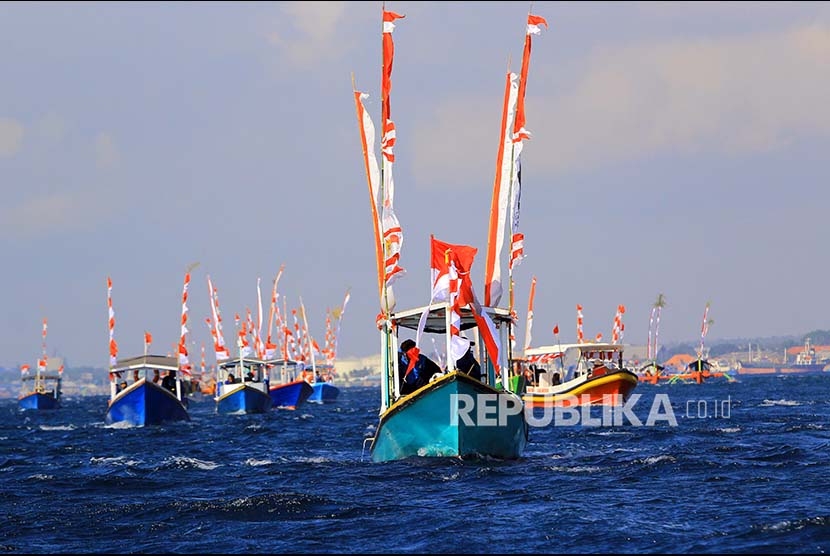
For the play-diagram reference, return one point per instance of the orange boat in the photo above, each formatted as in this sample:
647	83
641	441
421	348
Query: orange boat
577	374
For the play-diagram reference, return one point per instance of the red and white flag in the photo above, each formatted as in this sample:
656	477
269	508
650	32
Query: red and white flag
184	362
451	282
616	332
113	347
219	347
259	347
529	323
580	338
271	348
493	288
24	369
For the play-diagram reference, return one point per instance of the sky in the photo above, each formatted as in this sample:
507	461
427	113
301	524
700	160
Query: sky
677	148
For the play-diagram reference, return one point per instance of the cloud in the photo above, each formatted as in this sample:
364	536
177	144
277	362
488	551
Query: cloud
11	137
106	153
730	95
42	216
308	30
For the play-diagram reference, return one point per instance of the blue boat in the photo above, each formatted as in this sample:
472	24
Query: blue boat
39	400
149	399
288	391
242	387
454	415
324	392
45	390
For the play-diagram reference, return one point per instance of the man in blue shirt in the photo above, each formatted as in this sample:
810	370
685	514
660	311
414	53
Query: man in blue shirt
414	368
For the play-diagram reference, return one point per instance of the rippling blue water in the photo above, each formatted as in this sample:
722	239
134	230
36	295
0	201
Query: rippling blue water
758	481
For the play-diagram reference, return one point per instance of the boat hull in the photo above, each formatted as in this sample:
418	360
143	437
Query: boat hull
146	403
244	400
427	423
291	395
324	393
37	400
751	369
612	388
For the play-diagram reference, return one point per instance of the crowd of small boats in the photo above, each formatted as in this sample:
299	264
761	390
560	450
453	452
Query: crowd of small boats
151	389
473	402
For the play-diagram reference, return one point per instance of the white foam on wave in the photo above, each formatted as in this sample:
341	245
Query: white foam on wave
785	403
652	460
120	425
41	477
183	461
57	427
730	429
576	468
115	460
257	462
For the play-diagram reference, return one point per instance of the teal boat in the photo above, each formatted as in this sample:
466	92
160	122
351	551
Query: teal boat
454	415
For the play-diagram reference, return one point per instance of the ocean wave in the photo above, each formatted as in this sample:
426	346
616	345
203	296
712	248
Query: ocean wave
115	461
257	462
795	524
183	462
41	477
782	402
57	427
576	468
654	460
730	429
120	425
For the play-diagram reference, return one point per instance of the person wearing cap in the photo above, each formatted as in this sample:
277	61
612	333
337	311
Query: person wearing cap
415	368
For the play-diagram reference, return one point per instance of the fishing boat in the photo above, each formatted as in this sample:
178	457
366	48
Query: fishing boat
41	391
651	373
291	391
242	386
149	399
578	374
44	392
444	418
805	363
323	389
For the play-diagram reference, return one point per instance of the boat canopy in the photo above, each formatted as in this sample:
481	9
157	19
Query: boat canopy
42	377
281	362
246	362
583	348
159	362
436	321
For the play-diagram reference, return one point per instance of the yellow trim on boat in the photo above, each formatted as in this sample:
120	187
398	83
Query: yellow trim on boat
435	383
614	377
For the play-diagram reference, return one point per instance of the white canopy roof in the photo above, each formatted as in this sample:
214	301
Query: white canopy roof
436	321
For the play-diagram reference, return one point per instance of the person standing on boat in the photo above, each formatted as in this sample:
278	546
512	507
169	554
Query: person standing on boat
415	369
169	381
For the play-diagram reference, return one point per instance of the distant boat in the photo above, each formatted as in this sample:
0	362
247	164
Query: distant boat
290	391
150	399
429	422
242	387
805	363
45	390
578	374
324	390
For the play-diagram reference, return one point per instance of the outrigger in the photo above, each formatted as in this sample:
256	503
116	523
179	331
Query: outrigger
578	374
445	417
